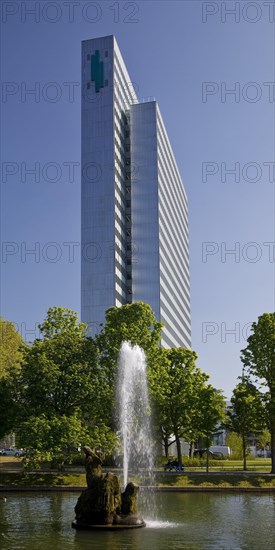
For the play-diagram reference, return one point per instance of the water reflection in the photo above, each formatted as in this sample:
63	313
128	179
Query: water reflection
193	521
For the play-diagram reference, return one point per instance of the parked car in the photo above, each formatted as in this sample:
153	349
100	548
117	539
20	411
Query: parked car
201	453
11	452
264	453
223	449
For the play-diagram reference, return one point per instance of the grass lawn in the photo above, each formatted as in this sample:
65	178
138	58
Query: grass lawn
222	474
253	465
216	480
39	479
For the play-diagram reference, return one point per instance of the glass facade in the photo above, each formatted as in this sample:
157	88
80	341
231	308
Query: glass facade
134	207
160	272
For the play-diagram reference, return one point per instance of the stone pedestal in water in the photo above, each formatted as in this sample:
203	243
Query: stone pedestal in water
102	505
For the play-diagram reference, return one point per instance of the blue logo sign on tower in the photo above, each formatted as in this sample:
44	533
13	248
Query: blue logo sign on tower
97	71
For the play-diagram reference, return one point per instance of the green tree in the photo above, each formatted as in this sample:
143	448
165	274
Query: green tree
234	441
10	348
162	427
53	438
61	320
134	323
8	407
210	413
61	389
246	414
264	439
175	384
259	358
11	345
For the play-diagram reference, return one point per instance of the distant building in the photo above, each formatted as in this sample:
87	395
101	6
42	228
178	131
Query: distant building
134	210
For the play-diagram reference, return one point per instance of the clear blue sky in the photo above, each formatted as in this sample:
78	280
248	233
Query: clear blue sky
187	54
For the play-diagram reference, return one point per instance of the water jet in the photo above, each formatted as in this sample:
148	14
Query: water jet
102	505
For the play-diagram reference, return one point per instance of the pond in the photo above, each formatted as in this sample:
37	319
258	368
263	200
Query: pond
195	521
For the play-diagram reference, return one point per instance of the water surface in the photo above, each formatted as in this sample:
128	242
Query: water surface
193	521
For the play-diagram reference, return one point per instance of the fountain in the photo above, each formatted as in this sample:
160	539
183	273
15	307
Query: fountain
102	505
134	410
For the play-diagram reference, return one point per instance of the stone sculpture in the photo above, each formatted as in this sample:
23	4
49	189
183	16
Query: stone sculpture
102	504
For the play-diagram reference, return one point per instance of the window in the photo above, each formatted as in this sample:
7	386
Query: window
88	85
106	82
106	53
88	57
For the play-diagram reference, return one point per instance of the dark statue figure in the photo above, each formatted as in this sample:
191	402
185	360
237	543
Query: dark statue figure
93	464
102	504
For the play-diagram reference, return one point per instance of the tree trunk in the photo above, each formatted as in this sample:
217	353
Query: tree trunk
244	453
166	447
272	425
207	460
191	449
272	445
178	448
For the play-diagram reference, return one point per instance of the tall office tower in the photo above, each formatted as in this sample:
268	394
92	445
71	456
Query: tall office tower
133	207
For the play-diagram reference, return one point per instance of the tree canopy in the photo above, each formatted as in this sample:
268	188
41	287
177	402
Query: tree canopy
135	323
246	414
61	388
11	346
186	406
64	391
259	359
